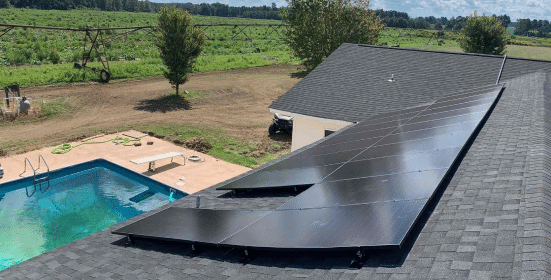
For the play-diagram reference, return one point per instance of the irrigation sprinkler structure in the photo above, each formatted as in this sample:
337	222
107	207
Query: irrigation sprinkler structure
94	39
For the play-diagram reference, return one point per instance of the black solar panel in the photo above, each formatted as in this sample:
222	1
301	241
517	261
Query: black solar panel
282	178
490	90
428	132
370	184
416	146
337	139
476	117
415	185
450	114
195	225
403	117
410	111
472	101
319	160
383	224
340	147
403	163
373	127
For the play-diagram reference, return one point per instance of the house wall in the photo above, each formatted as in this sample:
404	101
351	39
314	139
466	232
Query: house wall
308	130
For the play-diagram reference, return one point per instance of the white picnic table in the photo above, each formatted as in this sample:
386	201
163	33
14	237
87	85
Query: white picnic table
151	159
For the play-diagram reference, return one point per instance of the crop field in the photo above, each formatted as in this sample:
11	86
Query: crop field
518	46
36	57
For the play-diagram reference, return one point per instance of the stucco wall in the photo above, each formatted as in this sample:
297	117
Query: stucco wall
306	130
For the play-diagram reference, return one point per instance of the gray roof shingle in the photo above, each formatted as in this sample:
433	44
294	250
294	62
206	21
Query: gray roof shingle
492	221
352	83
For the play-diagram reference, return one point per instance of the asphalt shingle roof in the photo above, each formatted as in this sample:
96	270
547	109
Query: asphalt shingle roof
352	83
492	220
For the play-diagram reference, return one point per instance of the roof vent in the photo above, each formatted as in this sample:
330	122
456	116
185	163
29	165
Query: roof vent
392	79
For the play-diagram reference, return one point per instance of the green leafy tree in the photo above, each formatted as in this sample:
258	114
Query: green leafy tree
483	34
4	4
319	27
179	43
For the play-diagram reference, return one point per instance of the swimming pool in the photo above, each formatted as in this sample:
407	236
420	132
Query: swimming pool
78	201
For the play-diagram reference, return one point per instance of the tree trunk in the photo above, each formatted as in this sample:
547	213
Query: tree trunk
177	86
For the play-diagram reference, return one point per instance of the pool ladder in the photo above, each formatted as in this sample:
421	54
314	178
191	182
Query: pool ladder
40	179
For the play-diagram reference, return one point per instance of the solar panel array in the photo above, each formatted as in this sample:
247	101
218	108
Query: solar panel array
370	183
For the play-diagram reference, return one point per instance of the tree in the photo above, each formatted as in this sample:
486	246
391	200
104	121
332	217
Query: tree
4	4
505	20
179	43
483	34
523	26
319	27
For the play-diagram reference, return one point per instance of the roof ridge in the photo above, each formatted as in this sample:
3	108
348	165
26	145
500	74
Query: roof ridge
446	52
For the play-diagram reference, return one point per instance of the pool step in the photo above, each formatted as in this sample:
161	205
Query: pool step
142	196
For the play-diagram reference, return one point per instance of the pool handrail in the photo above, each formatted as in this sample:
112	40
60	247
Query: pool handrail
25	169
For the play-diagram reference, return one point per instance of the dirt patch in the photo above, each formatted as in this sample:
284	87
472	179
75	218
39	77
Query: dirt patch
197	144
3	153
77	138
271	146
236	101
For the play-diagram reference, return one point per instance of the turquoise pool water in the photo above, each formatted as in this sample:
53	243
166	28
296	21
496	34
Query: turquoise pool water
76	203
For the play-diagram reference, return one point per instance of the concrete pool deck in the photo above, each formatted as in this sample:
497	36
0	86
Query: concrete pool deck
198	176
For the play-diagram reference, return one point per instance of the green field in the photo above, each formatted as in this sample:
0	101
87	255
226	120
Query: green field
33	57
519	46
37	57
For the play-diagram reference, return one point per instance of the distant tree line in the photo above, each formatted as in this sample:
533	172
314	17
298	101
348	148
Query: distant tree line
402	20
216	9
104	5
223	10
533	28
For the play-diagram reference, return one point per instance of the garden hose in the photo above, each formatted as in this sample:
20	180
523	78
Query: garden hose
65	148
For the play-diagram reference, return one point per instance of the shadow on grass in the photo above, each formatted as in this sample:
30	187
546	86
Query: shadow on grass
166	103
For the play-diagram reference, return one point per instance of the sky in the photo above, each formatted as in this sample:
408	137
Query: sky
533	9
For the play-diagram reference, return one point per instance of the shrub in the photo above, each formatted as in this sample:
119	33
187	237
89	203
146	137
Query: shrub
483	34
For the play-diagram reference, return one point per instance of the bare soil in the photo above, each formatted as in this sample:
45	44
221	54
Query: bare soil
235	100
